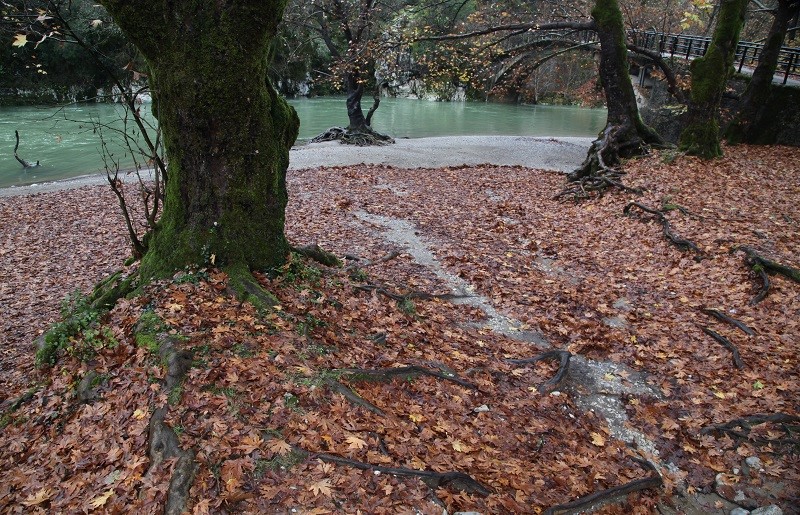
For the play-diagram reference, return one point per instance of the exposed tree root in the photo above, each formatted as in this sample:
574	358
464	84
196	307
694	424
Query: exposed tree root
597	173
387	374
357	263
163	443
789	423
408	296
671	236
319	255
725	318
737	359
563	367
362	138
246	288
454	480
603	496
353	397
763	266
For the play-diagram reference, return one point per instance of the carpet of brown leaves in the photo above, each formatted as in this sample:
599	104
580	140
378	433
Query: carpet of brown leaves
257	387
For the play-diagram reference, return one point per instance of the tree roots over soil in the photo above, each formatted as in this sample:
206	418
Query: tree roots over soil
362	137
454	480
681	243
599	171
737	359
599	498
763	266
729	320
740	428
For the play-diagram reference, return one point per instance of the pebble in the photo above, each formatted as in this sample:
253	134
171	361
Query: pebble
767	510
481	409
739	511
754	463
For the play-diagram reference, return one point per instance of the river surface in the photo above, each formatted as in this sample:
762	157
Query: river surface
67	143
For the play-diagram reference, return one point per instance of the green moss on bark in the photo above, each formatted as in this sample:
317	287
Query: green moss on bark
709	77
227	133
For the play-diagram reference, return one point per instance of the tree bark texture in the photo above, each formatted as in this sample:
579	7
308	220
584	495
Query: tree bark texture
227	133
355	92
710	74
748	125
625	134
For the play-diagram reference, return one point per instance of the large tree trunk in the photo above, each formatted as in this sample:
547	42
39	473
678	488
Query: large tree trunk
227	133
747	126
625	134
709	76
355	91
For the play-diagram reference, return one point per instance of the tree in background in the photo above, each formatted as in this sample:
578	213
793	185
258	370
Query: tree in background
227	133
625	134
352	33
710	73
748	124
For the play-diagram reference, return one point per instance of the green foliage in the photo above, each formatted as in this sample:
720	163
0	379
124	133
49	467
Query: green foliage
147	329
297	270
407	306
78	334
308	324
281	462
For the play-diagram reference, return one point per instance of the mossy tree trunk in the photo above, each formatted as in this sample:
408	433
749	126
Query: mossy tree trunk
746	126
625	133
227	133
710	74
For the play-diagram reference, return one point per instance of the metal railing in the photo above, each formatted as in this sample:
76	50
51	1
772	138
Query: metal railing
685	46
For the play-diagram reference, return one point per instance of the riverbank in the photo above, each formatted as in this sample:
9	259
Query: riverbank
562	154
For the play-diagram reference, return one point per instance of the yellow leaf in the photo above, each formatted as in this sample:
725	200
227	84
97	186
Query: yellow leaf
598	439
39	497
355	442
323	486
20	40
718	394
139	414
101	500
460	446
279	446
416	418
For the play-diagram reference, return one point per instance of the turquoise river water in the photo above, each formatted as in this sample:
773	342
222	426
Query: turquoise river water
67	143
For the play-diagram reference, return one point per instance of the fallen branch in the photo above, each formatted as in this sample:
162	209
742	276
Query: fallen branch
671	236
563	367
763	266
737	359
725	318
602	496
387	374
353	397
24	163
455	480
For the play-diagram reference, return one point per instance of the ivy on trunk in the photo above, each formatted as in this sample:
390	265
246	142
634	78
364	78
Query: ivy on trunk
227	133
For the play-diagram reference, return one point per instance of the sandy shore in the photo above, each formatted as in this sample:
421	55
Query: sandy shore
562	154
